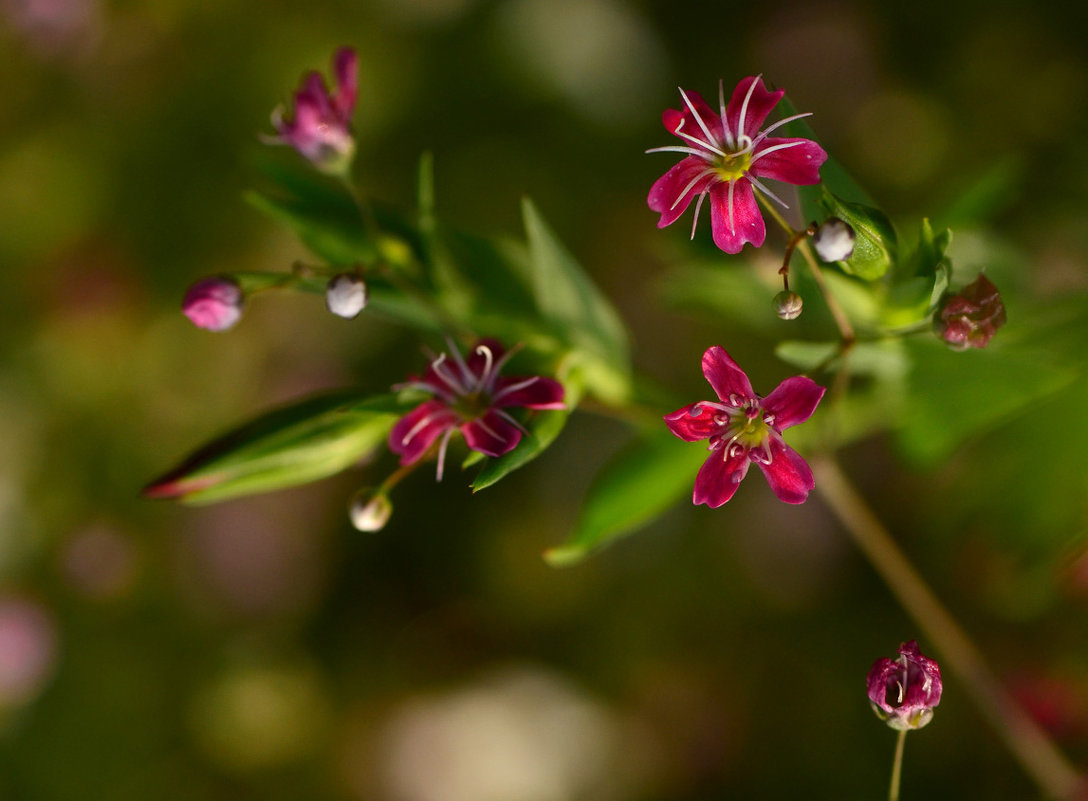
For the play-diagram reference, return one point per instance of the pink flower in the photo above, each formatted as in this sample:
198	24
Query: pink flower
742	428
213	303
470	397
970	318
727	155
320	129
904	691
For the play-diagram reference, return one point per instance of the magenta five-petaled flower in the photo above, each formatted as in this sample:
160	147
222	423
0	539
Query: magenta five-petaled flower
903	691
320	128
726	156
742	428
471	397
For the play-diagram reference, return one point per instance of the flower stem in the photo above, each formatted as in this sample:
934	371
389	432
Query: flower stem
1029	744
897	766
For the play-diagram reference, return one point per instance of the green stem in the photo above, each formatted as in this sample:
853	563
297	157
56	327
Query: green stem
1029	744
897	766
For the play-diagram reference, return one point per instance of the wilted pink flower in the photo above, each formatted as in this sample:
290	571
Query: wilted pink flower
970	318
903	691
727	154
470	397
214	303
320	129
743	428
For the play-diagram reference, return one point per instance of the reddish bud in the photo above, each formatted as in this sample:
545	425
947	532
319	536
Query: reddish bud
970	318
214	304
904	691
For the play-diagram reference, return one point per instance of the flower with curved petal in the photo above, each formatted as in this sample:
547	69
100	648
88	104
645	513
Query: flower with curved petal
726	157
742	427
320	128
470	396
903	691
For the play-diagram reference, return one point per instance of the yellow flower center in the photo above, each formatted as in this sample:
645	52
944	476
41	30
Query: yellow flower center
732	166
750	432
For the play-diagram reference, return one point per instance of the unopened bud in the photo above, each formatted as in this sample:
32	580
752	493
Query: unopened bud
214	304
970	318
904	691
346	295
834	240
370	509
787	305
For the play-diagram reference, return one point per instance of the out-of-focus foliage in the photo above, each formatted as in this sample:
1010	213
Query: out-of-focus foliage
263	648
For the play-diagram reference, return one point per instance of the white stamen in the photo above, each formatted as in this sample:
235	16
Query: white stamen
422	424
480	422
698	205
697	140
508	418
425	387
497	368
680	149
782	146
703	174
725	123
461	365
698	119
766	191
489	363
442	454
514	388
744	107
732	226
763	134
451	381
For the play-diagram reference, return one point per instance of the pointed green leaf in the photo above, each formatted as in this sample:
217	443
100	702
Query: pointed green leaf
637	485
332	230
296	444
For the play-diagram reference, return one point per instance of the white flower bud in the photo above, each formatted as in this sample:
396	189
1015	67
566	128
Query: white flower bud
346	295
370	510
834	240
787	305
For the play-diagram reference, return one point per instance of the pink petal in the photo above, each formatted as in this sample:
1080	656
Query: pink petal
793	401
314	94
759	106
798	165
747	225
719	478
542	393
725	375
711	119
788	474
491	435
414	433
345	68
667	189
692	422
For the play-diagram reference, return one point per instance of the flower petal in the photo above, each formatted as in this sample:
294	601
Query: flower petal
345	69
710	118
668	188
788	474
793	401
747	223
490	434
414	433
719	478
759	106
541	393
725	375
692	422
797	164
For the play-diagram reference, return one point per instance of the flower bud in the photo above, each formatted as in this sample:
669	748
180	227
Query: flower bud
787	305
346	295
214	304
834	240
903	691
970	318
370	509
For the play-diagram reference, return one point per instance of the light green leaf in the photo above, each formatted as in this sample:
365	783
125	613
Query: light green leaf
333	231
296	444
637	485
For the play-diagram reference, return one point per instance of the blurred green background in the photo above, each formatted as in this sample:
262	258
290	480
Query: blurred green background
264	649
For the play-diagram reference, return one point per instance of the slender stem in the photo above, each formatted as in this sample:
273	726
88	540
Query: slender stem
1031	747
897	766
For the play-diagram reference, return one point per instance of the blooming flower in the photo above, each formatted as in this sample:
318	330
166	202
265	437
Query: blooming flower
903	691
742	428
970	318
470	397
320	129
213	303
726	156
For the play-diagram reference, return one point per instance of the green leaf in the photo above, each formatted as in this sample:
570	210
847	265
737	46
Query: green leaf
296	444
919	280
331	228
875	242
576	309
543	427
637	485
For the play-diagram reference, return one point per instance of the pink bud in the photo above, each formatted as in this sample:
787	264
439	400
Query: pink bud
970	318
214	304
904	691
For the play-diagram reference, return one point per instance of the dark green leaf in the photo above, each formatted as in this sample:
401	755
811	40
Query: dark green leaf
636	486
